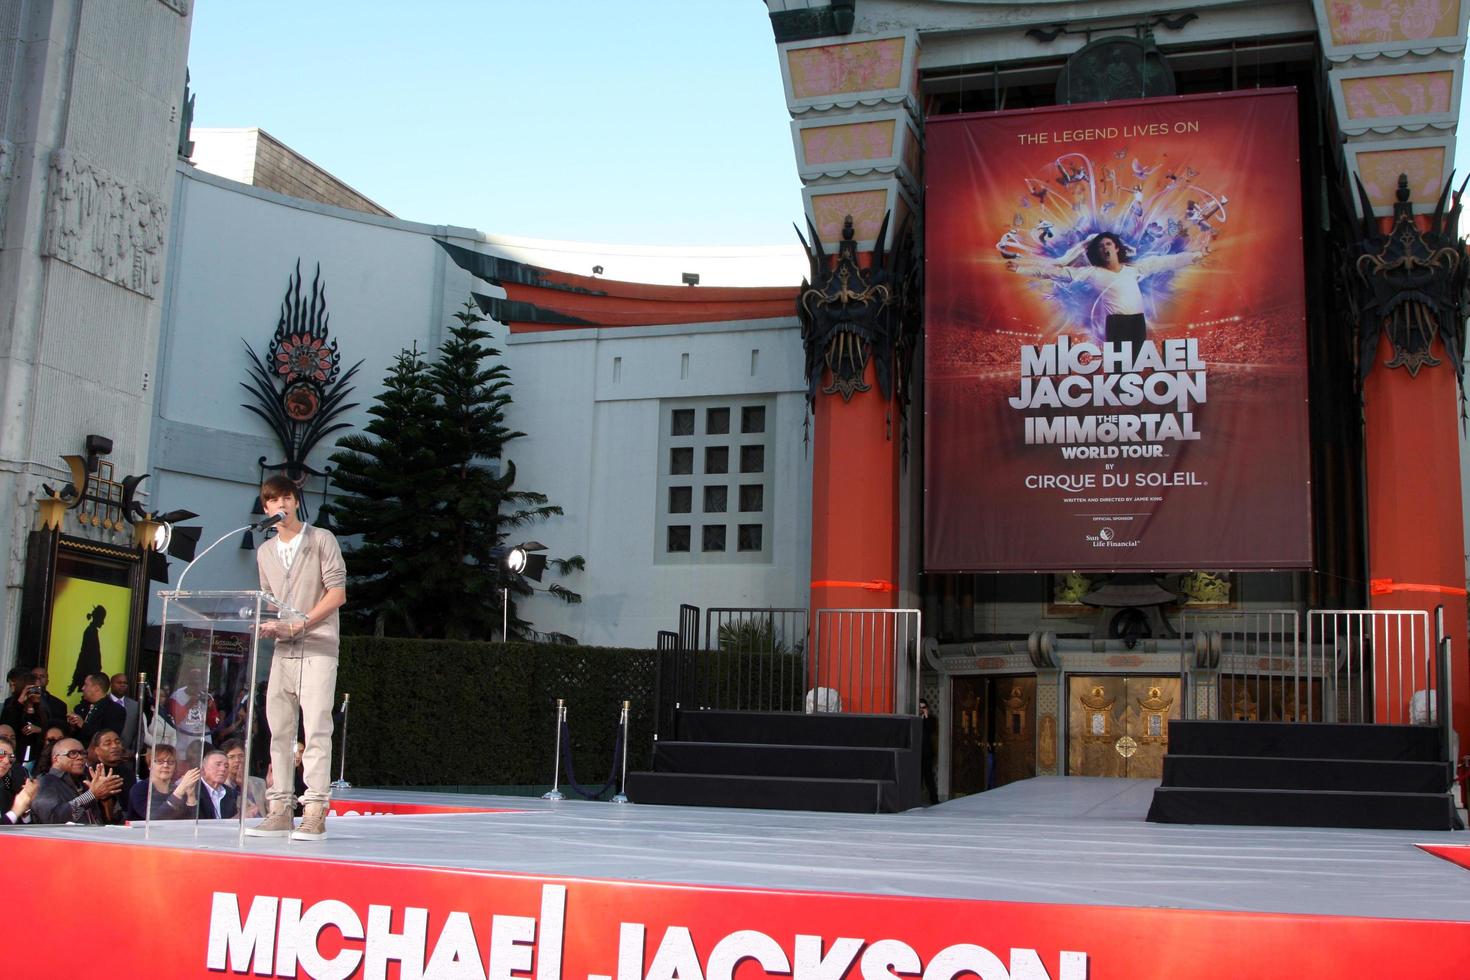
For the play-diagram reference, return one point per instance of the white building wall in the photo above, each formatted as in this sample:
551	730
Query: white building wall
606	450
592	441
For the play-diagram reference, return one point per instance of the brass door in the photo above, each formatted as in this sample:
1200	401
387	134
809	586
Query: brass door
968	739
1119	726
1013	728
992	732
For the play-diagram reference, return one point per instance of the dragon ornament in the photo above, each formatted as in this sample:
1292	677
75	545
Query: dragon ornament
851	315
1410	284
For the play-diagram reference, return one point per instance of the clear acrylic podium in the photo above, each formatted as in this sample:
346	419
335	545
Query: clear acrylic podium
212	669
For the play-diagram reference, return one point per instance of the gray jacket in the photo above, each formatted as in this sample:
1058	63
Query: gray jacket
318	567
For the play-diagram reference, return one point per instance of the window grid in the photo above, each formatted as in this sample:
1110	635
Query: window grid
715	502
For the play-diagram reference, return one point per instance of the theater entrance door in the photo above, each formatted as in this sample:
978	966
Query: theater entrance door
992	732
1119	726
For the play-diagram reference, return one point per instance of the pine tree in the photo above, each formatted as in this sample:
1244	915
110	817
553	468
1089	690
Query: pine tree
430	531
387	476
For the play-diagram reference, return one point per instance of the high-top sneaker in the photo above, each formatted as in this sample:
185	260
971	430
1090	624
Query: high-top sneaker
277	823
313	824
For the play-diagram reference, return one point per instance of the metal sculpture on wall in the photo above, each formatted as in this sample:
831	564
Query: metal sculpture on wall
851	315
1115	68
1411	285
299	388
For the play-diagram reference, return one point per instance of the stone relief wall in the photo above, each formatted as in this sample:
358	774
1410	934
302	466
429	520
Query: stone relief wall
103	226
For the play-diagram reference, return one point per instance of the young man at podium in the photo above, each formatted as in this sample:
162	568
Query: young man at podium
303	568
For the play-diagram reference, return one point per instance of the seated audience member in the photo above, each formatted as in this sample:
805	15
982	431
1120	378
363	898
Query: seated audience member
217	798
107	748
13	774
232	723
160	798
16	791
192	709
42	764
251	789
8	733
96	711
71	794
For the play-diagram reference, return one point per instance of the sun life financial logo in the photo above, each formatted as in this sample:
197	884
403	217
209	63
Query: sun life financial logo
1106	537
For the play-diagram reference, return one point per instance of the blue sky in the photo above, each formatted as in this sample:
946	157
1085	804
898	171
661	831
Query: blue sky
661	122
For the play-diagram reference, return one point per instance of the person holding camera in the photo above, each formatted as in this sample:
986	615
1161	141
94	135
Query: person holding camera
26	712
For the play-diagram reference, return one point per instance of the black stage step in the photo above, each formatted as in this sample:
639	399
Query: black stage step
786	761
1308	774
1304	740
1344	775
790	728
756	792
1294	808
753	759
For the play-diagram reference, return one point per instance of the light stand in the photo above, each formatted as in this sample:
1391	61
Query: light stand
555	792
341	781
622	796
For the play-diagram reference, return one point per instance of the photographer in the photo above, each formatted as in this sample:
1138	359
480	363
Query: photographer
26	712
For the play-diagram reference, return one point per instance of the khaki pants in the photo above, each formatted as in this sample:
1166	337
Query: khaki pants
310	683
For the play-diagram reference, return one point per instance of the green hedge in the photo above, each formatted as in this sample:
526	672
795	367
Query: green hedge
449	713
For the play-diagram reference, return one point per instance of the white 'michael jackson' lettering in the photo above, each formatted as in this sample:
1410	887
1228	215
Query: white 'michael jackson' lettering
280	936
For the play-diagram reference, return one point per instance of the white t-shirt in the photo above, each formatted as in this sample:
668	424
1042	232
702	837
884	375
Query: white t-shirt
287	550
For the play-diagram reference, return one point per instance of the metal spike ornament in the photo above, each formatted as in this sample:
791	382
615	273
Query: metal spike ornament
299	388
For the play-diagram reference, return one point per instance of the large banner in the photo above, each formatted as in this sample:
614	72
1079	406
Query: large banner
1115	344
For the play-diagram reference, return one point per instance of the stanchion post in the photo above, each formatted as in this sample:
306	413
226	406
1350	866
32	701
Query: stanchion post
341	781
622	796
139	692
561	717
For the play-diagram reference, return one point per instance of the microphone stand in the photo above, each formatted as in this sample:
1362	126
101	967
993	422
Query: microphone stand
270	521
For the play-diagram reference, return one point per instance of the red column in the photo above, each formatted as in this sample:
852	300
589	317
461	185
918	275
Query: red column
855	467
1416	532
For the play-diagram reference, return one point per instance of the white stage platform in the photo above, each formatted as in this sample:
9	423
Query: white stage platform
1029	848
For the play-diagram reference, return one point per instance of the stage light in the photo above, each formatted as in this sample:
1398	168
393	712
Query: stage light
184	543
515	560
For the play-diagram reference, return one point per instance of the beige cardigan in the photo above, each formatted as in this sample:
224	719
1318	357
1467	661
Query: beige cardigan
318	567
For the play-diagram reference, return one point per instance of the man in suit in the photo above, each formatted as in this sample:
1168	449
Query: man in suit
96	711
218	800
119	695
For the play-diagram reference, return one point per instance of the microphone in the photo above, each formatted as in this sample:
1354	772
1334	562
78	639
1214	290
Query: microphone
268	522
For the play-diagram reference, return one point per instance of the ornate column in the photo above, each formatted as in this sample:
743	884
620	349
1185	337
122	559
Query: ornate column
1411	299
854	103
1395	74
